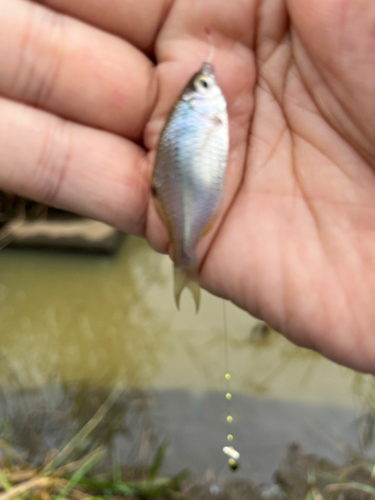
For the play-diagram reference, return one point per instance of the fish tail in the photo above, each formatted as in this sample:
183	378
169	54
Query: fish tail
186	277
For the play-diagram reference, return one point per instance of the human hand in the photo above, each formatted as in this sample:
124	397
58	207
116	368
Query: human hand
83	106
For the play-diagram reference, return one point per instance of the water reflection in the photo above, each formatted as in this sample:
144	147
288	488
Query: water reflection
37	421
80	318
70	318
72	326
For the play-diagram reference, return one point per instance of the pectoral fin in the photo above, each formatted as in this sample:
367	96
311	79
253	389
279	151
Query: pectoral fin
210	224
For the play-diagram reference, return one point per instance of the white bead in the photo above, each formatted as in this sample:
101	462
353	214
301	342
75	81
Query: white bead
231	452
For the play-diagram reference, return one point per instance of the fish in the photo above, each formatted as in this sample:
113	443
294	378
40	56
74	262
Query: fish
188	177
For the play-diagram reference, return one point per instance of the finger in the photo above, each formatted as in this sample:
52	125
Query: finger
334	51
70	166
79	72
136	21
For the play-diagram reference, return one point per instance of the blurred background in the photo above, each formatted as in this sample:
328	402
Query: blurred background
88	324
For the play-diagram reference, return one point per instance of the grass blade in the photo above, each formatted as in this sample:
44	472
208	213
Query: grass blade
36	482
78	475
6	484
158	459
349	486
86	429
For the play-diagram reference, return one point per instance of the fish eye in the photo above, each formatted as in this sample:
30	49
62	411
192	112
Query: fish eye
202	83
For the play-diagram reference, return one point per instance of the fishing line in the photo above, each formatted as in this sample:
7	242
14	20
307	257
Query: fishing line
228	450
211	44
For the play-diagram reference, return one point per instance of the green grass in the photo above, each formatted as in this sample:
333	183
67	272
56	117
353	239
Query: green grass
69	475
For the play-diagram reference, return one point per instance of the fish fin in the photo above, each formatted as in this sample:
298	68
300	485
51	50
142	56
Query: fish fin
160	212
186	278
209	225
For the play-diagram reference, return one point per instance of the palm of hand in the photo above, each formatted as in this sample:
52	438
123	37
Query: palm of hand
295	243
294	238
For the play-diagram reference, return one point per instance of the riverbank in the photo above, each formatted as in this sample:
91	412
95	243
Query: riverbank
90	459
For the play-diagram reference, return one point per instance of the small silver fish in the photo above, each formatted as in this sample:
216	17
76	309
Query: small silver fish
188	177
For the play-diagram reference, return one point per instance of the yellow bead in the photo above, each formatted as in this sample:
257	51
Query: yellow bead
233	464
229	419
230	437
227	376
228	396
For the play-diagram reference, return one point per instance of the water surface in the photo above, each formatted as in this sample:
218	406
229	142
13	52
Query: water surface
76	319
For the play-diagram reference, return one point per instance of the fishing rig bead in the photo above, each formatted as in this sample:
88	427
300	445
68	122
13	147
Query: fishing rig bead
233	456
233	464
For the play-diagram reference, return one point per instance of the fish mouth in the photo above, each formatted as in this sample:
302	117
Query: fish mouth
207	69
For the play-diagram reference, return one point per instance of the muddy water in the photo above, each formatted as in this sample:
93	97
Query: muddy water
71	318
79	317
